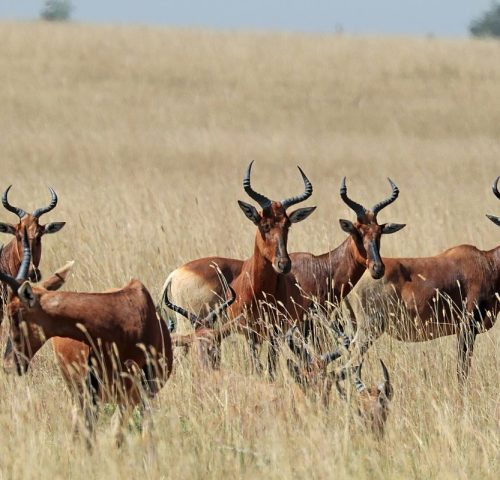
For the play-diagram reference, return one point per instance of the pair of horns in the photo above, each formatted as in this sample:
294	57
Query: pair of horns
265	202
360	386
361	211
195	320
301	351
37	213
22	274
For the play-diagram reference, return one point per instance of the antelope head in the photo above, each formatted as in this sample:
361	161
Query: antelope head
374	401
26	337
31	223
366	232
273	222
311	371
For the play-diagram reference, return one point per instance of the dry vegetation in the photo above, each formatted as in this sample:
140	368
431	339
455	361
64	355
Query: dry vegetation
145	134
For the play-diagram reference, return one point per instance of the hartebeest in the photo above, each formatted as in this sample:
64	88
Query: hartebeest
311	374
11	256
262	287
322	279
129	345
419	299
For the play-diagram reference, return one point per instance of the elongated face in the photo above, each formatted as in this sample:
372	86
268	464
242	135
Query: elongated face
273	224
366	231
367	234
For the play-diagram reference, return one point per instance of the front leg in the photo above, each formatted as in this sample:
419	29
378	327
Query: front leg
466	337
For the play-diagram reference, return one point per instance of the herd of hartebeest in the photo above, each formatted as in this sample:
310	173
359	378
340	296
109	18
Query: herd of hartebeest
117	345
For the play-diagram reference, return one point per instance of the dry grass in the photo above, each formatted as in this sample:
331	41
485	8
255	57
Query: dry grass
145	134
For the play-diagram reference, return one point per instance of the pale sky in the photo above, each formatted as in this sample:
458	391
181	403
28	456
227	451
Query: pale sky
409	17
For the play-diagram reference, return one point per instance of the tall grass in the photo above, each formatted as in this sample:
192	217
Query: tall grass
145	134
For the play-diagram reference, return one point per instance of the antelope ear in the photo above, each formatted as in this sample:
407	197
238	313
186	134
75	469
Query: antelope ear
300	214
26	295
7	228
392	227
53	227
250	211
57	280
347	226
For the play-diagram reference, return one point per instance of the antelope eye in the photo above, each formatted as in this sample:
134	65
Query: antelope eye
266	227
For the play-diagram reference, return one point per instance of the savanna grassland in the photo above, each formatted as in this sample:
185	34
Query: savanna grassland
145	134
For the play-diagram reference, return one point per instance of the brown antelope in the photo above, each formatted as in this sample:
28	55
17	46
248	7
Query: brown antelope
11	256
261	284
324	278
419	299
129	345
311	374
373	401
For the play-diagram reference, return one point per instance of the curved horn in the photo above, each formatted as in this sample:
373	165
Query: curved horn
346	342
298	350
18	211
386	386
22	274
212	316
330	357
380	205
194	319
339	331
358	383
53	202
386	372
10	281
262	200
308	190
359	210
494	187
190	316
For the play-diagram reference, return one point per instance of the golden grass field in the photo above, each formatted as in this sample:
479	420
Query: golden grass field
145	134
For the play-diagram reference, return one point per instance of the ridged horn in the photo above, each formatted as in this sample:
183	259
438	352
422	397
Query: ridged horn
22	274
358	383
212	316
308	190
53	202
195	320
359	210
262	200
18	211
494	187
380	205
298	350
386	372
190	316
386	385
346	342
